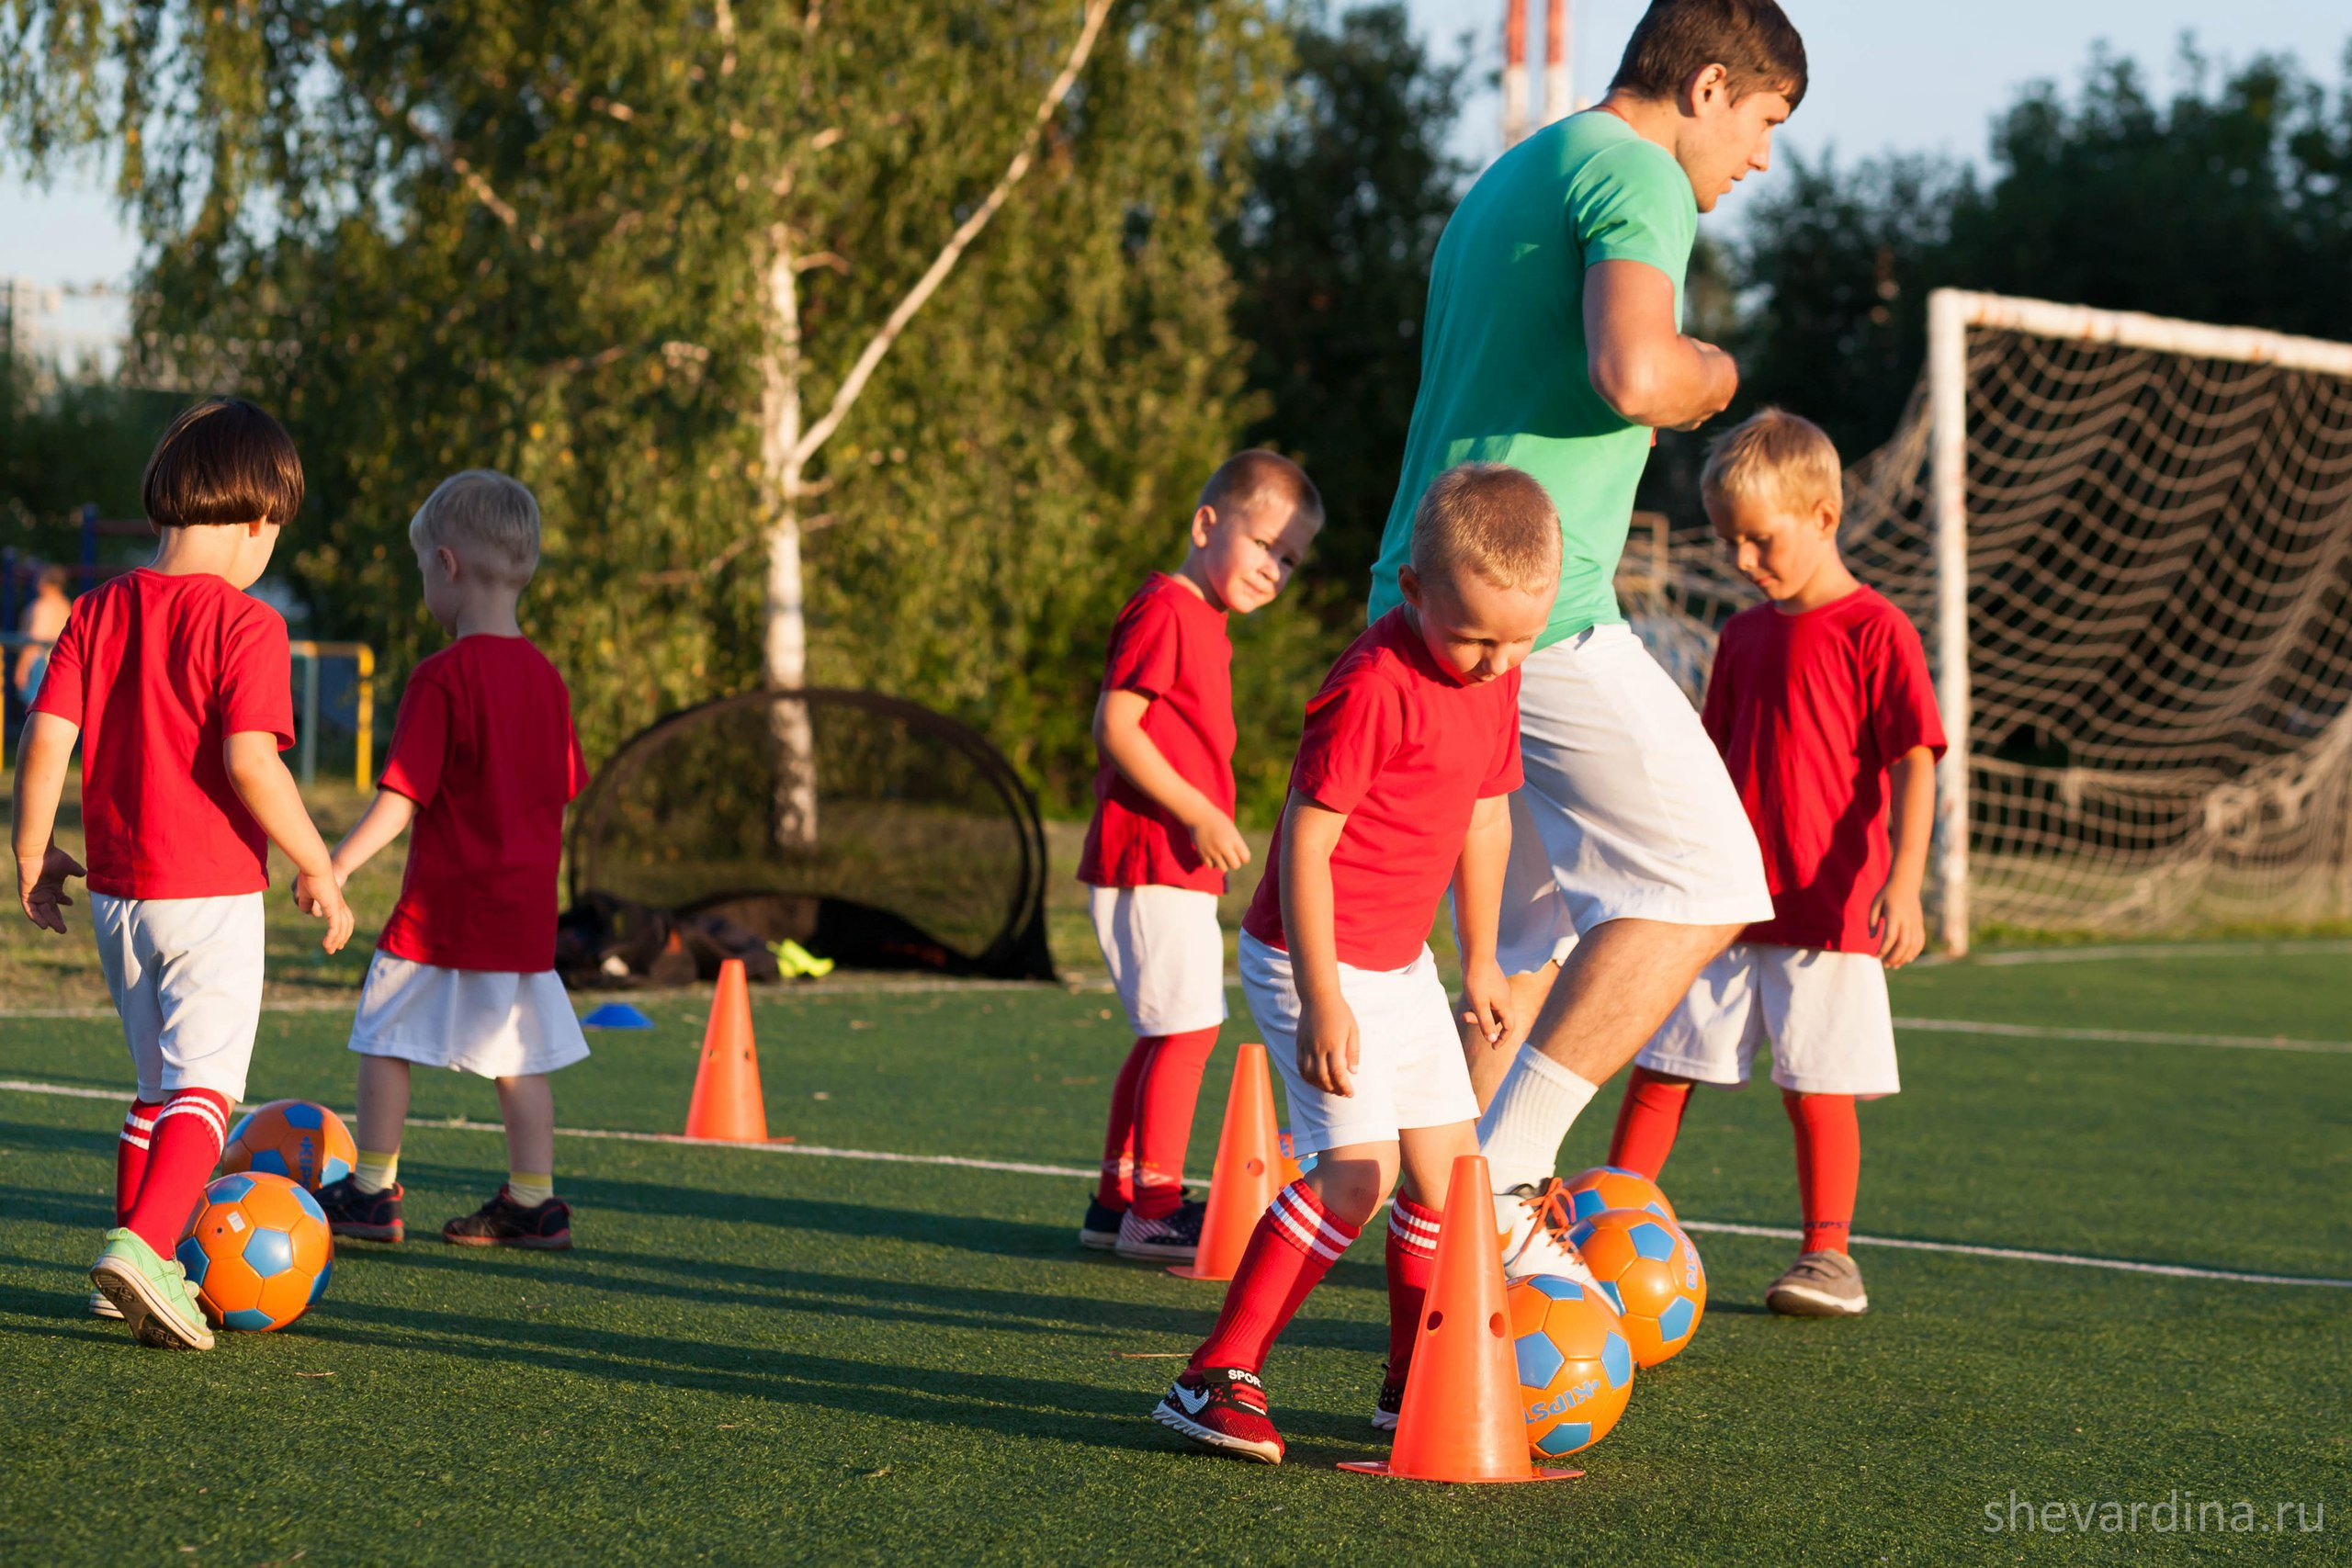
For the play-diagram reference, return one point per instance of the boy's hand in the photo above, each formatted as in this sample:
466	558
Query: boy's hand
1900	924
41	886
1220	843
1486	1000
1330	1048
323	896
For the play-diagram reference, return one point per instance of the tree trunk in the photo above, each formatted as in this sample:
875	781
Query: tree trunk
785	660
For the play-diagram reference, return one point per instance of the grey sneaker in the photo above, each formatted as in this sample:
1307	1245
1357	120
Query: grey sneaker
151	1294
1819	1284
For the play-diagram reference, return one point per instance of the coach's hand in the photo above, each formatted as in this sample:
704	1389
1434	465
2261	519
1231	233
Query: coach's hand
41	886
1330	1048
1219	841
1900	923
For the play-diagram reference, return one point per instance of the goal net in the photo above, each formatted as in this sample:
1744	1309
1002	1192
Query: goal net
2126	542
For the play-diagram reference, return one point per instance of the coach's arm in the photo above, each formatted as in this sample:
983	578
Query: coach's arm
1640	363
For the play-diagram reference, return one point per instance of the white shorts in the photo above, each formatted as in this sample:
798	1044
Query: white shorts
1824	1014
186	976
488	1022
1627	812
1410	1072
1165	953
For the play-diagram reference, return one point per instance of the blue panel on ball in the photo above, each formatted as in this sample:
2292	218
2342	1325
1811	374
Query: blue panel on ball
194	1260
333	1169
270	1162
1617	1359
1566	1438
1588	1205
1652	1240
1675	1321
229	1190
310	1204
239	1130
1558	1289
1609	1289
319	1285
1539	1359
1655	1207
252	1320
269	1253
303	1113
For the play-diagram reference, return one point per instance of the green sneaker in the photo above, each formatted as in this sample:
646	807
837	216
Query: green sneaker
797	962
150	1293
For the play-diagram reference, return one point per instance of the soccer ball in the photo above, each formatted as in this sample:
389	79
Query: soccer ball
1612	1187
258	1251
1575	1368
297	1139
1651	1274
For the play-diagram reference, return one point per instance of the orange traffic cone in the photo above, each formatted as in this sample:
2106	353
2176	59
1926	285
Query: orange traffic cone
1461	1419
727	1102
1248	1172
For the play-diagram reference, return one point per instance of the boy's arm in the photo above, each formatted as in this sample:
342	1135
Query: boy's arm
1897	917
1478	909
387	818
1118	732
1329	1045
42	758
261	781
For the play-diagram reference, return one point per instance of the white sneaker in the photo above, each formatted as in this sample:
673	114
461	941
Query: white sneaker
1532	1247
101	1307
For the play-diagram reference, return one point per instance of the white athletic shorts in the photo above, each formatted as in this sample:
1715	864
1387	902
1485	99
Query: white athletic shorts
184	975
1825	1015
1627	811
486	1022
1165	953
1409	1072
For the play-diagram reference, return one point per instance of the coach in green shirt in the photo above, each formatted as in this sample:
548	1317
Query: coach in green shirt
1554	343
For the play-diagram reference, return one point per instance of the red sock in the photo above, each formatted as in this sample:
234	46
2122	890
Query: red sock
181	1153
1164	1102
1412	1254
1829	1165
1647	1119
1294	1245
1117	1188
130	1155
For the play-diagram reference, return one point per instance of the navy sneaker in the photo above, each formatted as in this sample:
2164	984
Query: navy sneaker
1171	1238
365	1216
1222	1408
503	1221
1099	1233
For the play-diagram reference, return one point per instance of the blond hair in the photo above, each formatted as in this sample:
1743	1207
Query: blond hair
482	514
1248	481
1778	456
1491	521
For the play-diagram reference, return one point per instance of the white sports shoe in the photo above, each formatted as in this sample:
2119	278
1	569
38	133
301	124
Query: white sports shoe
1532	1247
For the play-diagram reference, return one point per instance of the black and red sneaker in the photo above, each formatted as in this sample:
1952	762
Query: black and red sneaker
366	1216
1222	1408
503	1221
1391	1403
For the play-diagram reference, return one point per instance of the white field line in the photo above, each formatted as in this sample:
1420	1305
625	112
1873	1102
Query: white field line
2124	1036
2154	950
1019	1168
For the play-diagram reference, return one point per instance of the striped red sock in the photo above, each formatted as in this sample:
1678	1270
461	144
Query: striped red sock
1412	1254
1647	1120
1294	1245
1830	1165
130	1155
1164	1105
1117	1188
181	1152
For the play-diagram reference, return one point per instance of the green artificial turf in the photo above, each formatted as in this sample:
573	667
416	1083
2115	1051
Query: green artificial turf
762	1357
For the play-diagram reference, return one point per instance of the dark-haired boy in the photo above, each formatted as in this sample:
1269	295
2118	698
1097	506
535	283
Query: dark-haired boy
178	686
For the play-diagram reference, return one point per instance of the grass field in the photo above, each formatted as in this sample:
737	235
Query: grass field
769	1356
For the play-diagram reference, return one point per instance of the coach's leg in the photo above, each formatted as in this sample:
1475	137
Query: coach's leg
1613	991
1490	1060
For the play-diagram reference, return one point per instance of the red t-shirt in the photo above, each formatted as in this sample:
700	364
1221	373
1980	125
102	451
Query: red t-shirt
1406	752
1809	712
159	671
1170	648
484	746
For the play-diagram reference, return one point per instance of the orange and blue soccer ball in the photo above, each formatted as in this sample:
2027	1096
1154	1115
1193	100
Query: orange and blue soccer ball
1651	1274
298	1139
258	1251
1576	1367
1604	1186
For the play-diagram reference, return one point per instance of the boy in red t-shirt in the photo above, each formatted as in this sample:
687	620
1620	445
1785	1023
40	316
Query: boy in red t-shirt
179	688
484	761
1821	703
1410	746
1163	837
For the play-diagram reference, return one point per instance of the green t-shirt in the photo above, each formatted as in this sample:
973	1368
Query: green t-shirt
1503	349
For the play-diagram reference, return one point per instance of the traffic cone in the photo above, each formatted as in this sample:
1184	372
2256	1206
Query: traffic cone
727	1102
1460	1419
1248	1172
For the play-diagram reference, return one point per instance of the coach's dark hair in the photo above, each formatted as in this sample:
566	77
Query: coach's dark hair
1246	481
223	461
1753	40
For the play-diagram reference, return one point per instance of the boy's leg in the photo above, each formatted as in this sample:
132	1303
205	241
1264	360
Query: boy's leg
1116	1190
1164	1106
130	1154
525	1211
1829	1165
383	1114
1426	1156
1647	1120
1833	1040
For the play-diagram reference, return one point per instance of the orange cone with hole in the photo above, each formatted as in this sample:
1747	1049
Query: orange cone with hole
1460	1419
727	1102
1248	1172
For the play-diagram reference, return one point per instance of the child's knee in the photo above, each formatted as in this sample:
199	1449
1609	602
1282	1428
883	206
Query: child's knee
1351	1189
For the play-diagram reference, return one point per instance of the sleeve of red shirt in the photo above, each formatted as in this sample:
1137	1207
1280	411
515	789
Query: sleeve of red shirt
61	683
257	677
1903	707
420	747
578	764
1351	731
1144	655
1507	774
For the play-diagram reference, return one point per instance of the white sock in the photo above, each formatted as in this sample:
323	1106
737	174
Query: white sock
1521	1131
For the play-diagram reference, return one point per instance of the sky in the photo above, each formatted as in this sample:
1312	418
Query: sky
1910	75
